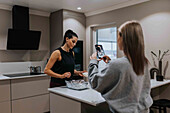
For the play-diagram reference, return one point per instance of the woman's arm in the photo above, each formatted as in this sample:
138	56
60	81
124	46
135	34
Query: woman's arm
103	79
79	72
55	56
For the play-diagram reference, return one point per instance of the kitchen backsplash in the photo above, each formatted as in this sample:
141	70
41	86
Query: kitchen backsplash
23	55
19	67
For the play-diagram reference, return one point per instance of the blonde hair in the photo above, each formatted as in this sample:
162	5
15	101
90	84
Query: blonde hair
133	45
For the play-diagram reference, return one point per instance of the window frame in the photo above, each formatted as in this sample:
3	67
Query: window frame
94	32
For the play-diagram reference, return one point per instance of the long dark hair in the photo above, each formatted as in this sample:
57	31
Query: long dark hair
133	45
69	34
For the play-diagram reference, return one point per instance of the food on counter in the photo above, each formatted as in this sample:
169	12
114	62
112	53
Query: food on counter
77	84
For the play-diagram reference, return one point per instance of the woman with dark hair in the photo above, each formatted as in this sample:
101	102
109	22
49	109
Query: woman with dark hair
124	82
61	63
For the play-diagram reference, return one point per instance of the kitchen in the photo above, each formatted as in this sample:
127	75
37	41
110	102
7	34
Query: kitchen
153	15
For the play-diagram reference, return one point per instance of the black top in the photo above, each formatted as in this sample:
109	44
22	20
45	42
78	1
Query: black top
66	64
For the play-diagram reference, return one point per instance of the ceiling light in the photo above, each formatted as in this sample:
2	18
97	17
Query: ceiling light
78	8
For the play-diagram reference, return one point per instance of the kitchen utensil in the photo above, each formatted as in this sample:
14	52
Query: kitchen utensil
35	69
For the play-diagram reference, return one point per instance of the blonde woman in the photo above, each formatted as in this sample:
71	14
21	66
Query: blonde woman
124	82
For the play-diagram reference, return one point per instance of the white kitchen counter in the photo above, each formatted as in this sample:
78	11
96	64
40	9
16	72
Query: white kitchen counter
2	77
91	96
88	96
155	84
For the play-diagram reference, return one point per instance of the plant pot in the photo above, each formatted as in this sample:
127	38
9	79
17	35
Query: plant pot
159	78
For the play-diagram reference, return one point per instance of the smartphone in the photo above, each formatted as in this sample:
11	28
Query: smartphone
100	51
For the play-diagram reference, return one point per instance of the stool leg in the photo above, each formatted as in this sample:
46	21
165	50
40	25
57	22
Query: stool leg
160	110
165	110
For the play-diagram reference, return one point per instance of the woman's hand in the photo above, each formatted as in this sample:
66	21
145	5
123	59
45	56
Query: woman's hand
93	56
106	58
79	72
66	75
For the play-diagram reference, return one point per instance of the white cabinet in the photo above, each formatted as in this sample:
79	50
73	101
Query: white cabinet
61	104
4	90
30	95
5	107
5	96
26	87
36	104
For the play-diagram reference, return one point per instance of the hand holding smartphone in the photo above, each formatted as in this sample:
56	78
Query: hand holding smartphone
100	51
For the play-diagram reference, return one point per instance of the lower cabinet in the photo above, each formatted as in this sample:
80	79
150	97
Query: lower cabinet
30	95
5	105
25	95
36	104
61	104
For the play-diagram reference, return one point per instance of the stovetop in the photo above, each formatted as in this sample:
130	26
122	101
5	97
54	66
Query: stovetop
21	74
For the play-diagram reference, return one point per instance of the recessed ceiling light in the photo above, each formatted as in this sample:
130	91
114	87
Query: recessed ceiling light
78	8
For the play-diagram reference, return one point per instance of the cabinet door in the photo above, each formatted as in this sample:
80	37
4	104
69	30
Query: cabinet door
36	104
5	107
61	104
4	90
28	87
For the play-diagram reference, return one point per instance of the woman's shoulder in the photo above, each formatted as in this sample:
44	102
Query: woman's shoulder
121	61
56	52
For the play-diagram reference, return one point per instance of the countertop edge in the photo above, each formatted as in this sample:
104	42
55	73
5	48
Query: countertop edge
2	77
74	98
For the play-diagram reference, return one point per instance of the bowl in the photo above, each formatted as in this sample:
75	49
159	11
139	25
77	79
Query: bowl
76	84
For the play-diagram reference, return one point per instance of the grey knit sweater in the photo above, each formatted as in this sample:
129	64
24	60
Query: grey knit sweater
123	90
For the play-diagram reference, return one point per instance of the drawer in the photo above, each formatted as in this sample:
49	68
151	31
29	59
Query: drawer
27	87
36	104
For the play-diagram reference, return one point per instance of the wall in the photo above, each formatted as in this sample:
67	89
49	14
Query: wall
154	18
39	23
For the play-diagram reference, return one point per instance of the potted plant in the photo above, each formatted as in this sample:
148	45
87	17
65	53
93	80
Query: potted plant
158	69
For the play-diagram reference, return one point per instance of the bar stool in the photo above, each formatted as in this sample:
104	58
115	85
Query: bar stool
161	104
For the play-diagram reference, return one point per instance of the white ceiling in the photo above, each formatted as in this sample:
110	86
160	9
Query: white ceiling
89	7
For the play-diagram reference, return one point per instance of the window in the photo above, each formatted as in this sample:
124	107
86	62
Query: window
107	37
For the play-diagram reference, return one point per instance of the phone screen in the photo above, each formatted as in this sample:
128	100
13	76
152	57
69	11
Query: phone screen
100	51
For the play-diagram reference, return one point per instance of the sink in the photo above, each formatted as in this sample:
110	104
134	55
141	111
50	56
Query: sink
21	74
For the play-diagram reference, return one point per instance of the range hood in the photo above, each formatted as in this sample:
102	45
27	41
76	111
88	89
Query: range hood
20	37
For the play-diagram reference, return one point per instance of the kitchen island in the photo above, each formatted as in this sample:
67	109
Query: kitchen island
64	100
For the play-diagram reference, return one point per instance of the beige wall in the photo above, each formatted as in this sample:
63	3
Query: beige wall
38	23
154	17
